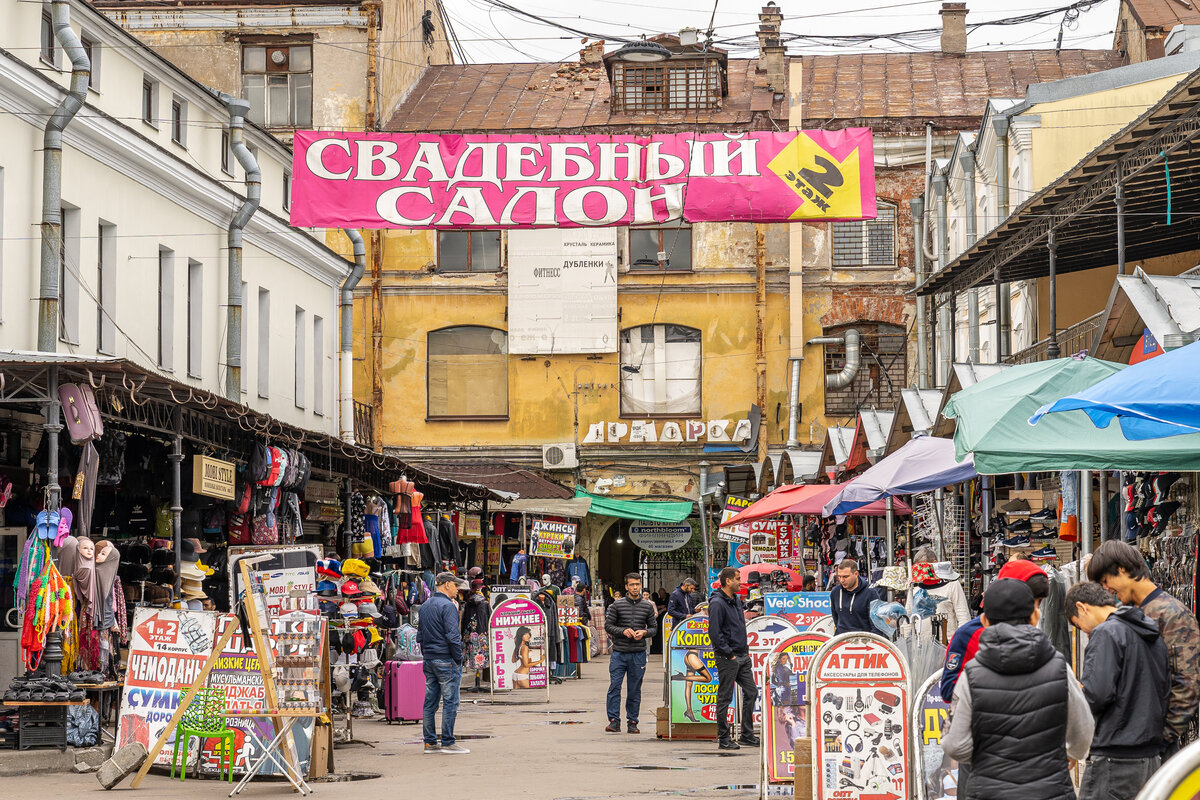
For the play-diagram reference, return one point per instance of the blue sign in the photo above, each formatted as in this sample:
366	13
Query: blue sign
802	609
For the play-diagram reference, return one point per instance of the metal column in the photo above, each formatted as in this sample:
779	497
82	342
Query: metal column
1119	199
891	532
704	465
1085	512
53	656
176	459
1052	348
1104	532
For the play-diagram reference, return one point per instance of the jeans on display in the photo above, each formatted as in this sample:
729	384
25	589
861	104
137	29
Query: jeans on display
733	672
1116	778
630	667
1070	493
443	679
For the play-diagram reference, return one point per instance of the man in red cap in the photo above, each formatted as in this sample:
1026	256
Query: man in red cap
965	641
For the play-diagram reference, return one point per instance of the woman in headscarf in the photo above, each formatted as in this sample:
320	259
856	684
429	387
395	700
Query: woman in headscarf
941	583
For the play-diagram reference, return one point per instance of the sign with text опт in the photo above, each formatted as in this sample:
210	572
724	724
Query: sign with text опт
517	637
401	180
801	609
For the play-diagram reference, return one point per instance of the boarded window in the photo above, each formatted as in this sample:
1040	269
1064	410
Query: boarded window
882	372
660	371
467	372
866	243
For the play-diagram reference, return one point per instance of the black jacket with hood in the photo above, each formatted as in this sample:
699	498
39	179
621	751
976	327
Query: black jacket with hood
852	609
681	604
727	625
1127	682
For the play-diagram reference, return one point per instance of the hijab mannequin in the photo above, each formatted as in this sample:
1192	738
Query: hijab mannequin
86	590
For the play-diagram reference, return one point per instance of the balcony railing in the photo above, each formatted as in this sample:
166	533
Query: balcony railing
1070	341
364	425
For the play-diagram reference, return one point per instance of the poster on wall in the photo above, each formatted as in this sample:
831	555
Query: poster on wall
562	291
660	537
763	549
802	609
935	773
552	539
517	636
858	697
739	533
692	674
568	614
290	573
167	650
785	702
763	635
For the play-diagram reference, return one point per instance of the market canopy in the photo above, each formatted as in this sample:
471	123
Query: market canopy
1150	400
808	499
993	425
641	510
921	465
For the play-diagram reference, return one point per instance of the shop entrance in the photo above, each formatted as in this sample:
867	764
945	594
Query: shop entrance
617	556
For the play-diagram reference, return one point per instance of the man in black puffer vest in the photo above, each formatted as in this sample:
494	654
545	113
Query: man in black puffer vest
1018	716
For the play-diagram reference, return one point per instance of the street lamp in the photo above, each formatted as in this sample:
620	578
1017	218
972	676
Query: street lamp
642	52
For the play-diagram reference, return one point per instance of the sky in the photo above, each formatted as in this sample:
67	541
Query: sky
490	33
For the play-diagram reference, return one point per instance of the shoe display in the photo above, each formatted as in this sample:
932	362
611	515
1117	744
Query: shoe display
614	726
728	744
632	727
1045	554
1015	506
1020	526
454	750
1016	541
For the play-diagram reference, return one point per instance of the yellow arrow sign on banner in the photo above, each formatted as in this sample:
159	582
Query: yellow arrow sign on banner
828	188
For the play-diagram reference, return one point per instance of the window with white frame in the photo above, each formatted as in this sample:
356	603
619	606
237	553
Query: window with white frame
106	287
868	242
467	373
226	152
195	318
318	365
301	360
660	371
92	48
179	115
277	80
49	45
166	307
264	343
68	277
149	101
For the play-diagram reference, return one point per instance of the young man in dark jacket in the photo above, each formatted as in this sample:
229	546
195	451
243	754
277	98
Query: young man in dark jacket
727	630
1018	716
851	599
681	605
1127	683
630	622
441	648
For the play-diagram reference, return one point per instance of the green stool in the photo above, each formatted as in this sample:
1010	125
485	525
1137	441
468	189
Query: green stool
205	719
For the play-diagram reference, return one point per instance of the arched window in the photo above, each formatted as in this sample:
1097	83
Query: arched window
467	373
660	371
868	242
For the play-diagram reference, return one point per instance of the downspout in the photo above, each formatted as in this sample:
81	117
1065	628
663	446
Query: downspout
945	322
760	331
967	159
81	75
853	344
918	217
794	406
1003	295
238	109
346	381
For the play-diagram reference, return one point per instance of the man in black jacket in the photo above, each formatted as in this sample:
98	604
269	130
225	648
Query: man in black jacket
681	605
727	630
1127	684
850	600
630	622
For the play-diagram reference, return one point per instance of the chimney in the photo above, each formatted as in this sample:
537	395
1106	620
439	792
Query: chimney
592	54
771	52
954	29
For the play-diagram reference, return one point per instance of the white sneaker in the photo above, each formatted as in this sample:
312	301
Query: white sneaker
454	749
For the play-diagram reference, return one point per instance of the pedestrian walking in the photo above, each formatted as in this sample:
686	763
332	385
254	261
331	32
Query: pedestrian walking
1018	717
682	603
441	648
1127	684
629	622
850	600
1120	569
727	631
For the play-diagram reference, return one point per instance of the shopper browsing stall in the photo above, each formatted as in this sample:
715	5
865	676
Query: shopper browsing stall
851	600
441	645
727	631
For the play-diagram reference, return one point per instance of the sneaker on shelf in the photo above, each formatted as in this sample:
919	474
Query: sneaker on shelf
1015	506
1020	526
1045	515
454	750
1045	554
1017	541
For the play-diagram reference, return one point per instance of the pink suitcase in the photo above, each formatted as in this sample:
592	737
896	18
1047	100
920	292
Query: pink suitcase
403	691
80	413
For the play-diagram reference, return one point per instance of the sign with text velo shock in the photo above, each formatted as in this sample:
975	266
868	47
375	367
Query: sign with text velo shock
763	635
552	539
400	180
801	609
692	674
517	637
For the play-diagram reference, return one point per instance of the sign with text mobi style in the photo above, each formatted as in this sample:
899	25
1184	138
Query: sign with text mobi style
785	703
400	180
801	609
858	702
167	650
763	635
692	674
517	637
552	539
734	533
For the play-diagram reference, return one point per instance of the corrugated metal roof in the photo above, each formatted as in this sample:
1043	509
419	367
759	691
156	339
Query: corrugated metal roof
1166	305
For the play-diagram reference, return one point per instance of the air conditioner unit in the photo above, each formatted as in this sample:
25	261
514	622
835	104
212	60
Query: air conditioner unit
559	456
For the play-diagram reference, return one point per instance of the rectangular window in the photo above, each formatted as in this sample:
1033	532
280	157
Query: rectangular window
195	318
226	153
672	241
68	277
166	308
687	86
660	371
277	80
179	120
244	333
301	361
881	375
468	251
149	101
92	48
467	373
318	365
867	243
287	191
264	343
106	288
49	50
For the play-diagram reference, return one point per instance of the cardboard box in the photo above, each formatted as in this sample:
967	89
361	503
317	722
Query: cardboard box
704	731
803	782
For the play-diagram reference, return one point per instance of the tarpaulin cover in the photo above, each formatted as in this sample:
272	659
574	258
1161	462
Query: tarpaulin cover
1152	399
644	510
394	180
921	465
993	425
809	499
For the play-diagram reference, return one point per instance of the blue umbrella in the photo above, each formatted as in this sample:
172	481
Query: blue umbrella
921	465
1154	399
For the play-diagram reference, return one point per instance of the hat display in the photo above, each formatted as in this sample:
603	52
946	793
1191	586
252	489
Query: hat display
894	579
349	610
355	567
1008	599
327	589
368	609
351	590
330	568
369	587
449	577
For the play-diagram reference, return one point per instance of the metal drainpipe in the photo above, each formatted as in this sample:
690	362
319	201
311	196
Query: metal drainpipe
346	380
967	160
81	75
238	109
794	406
1003	296
945	325
853	342
918	216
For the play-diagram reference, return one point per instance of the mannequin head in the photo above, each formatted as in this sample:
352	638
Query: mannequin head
87	550
104	549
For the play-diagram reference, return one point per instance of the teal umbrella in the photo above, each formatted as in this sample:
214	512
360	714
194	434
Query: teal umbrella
993	424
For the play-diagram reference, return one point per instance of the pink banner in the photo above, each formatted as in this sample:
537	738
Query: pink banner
372	180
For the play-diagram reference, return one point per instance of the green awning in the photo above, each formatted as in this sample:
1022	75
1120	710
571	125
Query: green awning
642	510
993	424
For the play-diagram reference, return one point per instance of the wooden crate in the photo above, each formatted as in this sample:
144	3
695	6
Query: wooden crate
705	731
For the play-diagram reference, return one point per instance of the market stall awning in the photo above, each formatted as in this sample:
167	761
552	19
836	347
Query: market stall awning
1165	306
641	510
809	499
993	425
1151	400
575	507
922	465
